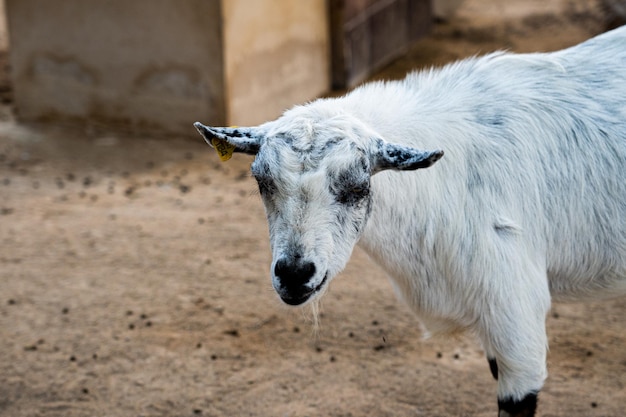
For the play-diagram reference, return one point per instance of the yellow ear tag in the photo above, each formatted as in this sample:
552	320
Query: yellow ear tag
224	149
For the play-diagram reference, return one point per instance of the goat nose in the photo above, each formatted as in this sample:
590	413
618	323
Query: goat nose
293	274
293	280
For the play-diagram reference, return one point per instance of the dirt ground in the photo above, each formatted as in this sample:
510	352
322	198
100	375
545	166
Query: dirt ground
134	281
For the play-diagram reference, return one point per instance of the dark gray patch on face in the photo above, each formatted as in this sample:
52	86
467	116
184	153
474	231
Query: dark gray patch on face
261	171
349	191
351	186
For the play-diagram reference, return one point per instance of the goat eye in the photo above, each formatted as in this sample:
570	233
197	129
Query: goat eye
353	194
358	191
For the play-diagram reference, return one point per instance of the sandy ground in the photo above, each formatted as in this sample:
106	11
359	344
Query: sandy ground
134	282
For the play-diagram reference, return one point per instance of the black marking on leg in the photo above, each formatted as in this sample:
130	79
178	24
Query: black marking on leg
493	367
525	407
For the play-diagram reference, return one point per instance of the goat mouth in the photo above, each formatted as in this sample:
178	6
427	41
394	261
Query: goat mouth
299	299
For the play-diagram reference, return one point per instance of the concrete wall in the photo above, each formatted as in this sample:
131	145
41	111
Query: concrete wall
277	54
4	36
148	63
163	64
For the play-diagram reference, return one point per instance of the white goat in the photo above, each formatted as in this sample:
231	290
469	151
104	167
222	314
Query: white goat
528	205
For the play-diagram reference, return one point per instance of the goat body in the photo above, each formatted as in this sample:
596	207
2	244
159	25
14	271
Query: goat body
528	205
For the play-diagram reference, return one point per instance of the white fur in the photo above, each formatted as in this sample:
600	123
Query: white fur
527	205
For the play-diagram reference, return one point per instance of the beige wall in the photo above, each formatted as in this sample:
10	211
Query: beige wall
140	62
4	37
163	64
276	55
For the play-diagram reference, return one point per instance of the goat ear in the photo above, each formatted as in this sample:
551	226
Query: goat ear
402	158
227	140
